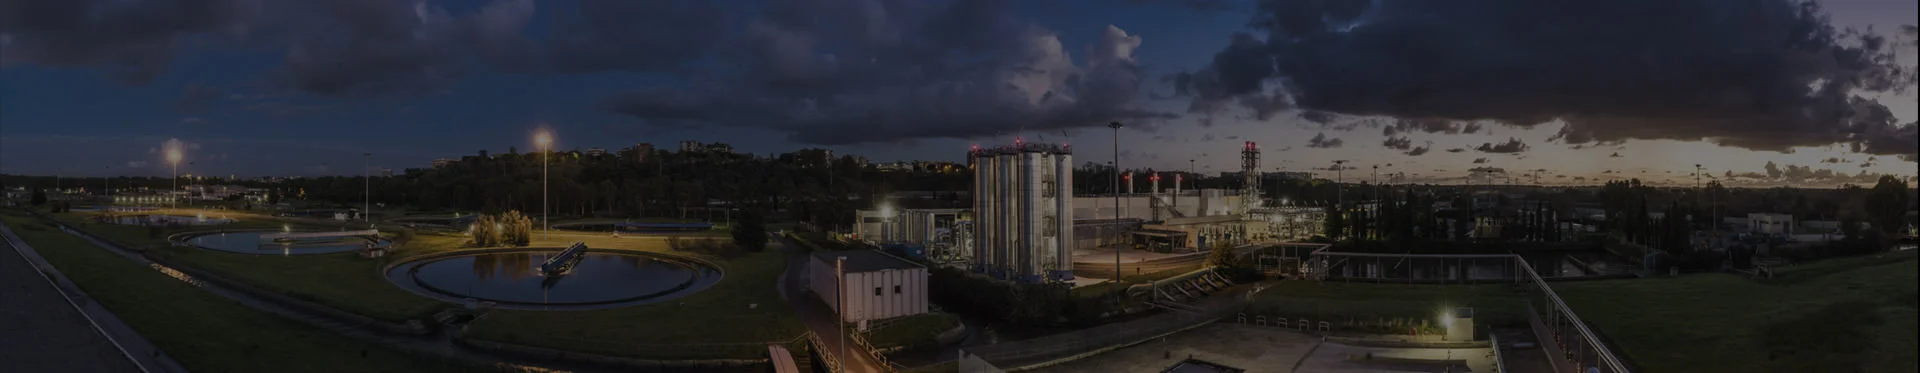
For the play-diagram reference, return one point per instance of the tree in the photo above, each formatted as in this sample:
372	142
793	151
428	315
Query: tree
1886	204
1335	224
1222	255
39	197
750	231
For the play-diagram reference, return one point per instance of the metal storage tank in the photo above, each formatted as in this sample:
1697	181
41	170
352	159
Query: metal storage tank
1021	192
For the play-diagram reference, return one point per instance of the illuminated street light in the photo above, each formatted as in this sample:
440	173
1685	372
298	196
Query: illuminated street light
545	140
173	159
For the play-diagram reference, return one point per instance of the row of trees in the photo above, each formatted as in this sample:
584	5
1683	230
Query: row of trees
657	184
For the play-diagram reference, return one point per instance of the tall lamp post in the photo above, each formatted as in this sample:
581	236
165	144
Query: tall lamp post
1118	246
840	306
366	187
173	160
545	140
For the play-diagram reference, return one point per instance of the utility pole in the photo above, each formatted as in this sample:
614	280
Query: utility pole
1118	246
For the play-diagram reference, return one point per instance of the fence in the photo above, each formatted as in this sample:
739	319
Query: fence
1559	318
1058	348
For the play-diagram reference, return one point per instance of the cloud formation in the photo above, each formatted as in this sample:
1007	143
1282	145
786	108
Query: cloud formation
1418	151
824	71
1513	145
1762	75
1321	141
1802	175
843	73
1398	143
1479	160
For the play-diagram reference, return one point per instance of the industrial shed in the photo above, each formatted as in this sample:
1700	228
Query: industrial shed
878	286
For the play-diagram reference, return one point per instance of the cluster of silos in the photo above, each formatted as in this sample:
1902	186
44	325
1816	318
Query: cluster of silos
1023	213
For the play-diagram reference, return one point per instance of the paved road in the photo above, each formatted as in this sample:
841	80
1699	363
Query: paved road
45	333
817	316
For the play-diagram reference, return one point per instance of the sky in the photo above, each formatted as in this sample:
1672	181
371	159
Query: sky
1759	92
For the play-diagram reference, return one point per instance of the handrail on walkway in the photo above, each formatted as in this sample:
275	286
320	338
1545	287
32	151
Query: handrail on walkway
1607	358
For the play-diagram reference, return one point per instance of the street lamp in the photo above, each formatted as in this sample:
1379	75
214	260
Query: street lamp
840	306
545	140
1118	246
173	160
366	187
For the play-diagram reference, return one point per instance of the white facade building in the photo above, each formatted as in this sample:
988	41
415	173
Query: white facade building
1770	223
877	286
1023	212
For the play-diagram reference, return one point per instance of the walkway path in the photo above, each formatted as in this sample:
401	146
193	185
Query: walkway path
51	329
817	316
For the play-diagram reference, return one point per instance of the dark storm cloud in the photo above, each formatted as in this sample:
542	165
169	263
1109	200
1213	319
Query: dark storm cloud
134	41
1398	143
834	72
826	71
194	97
1479	160
1764	75
331	47
1321	141
1200	5
1317	116
1418	151
1513	145
639	36
1422	125
1456	150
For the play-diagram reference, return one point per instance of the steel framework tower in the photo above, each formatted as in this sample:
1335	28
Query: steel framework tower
1250	172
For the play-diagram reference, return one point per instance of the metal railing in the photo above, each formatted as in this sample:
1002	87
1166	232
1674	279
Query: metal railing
1607	359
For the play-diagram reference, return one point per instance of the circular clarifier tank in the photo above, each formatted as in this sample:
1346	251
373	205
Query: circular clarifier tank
514	279
253	243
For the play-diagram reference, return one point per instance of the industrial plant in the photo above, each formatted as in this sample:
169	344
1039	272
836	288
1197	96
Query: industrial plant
1026	224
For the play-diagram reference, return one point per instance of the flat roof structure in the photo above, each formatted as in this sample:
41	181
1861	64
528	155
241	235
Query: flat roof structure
866	260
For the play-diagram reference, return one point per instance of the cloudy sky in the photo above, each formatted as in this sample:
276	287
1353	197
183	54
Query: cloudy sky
1757	92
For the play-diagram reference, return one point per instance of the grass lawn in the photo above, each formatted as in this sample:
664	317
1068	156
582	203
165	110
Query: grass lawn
1159	275
912	331
733	319
339	280
204	332
1336	301
1850	314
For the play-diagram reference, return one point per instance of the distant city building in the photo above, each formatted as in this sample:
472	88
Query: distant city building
690	146
1288	175
596	152
441	163
641	151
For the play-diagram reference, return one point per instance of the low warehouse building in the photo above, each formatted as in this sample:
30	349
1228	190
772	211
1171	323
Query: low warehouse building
878	286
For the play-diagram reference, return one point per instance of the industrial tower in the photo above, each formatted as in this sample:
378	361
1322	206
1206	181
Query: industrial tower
1250	171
